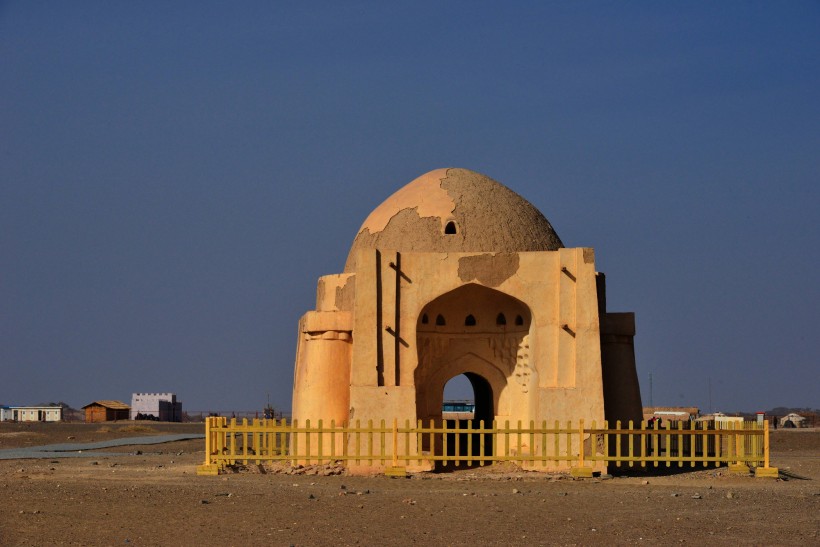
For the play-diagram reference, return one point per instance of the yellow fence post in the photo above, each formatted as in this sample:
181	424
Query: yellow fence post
656	449
358	442
407	442
307	442
382	446
432	442
457	445
481	443
294	443
419	441
444	444
244	441
370	458
470	430
208	467
532	452
232	443
395	470
581	470
737	465
332	442
766	471
345	438
320	453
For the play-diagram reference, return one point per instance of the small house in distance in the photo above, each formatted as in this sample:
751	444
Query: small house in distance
793	420
105	411
32	413
671	413
163	407
459	410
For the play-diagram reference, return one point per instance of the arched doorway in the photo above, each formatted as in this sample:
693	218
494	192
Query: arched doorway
476	332
471	400
477	414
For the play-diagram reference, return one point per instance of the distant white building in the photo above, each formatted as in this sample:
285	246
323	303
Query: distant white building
458	410
5	413
162	406
31	413
792	420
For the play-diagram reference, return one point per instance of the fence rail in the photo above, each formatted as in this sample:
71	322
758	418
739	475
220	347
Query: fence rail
533	446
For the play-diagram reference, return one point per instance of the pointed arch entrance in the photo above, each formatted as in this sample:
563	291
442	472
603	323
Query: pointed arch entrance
473	338
480	395
472	444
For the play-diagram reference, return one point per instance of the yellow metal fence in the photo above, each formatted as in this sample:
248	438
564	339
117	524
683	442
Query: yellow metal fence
533	446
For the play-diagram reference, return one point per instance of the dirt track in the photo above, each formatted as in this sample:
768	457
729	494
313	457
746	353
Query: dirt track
155	498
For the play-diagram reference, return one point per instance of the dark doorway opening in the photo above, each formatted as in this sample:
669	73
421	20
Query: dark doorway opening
464	445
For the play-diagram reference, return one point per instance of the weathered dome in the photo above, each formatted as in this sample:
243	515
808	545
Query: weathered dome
454	210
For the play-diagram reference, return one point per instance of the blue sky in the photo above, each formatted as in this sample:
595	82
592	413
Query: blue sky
174	177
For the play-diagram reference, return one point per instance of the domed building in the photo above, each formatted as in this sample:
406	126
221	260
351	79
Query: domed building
457	274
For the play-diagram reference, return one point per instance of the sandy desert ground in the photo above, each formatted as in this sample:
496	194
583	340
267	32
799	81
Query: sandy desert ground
151	495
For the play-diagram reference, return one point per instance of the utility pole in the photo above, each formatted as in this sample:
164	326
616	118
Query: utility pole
711	410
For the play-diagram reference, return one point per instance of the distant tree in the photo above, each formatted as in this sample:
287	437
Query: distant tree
62	404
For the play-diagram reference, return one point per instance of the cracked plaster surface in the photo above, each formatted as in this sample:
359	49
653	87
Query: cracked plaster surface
427	195
490	270
489	218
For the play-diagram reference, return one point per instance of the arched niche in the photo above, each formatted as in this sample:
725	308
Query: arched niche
483	304
487	349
